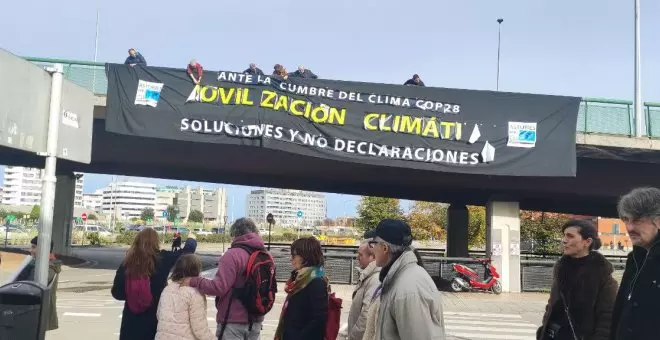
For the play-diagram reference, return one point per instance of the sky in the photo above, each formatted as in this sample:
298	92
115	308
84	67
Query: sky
564	47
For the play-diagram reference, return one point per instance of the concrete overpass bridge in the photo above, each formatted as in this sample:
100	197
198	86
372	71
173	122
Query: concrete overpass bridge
607	154
610	162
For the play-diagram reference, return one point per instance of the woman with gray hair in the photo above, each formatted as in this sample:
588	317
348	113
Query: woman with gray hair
232	318
410	306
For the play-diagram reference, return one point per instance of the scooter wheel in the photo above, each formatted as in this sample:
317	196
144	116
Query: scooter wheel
496	288
455	286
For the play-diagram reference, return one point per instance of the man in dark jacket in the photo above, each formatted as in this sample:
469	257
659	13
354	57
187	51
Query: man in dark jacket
54	268
254	70
635	314
414	81
302	72
135	58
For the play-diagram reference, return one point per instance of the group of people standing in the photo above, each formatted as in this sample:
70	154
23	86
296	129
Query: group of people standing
586	302
196	72
395	298
398	296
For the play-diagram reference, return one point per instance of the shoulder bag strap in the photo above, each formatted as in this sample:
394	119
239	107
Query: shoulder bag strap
568	316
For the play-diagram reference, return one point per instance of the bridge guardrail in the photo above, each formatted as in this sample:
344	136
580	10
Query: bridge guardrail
596	115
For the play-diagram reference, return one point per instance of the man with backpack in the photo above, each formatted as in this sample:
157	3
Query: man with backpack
244	284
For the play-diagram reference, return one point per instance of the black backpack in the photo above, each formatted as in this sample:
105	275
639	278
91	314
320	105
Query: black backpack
258	293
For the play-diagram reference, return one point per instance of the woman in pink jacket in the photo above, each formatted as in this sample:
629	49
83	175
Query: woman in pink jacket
182	310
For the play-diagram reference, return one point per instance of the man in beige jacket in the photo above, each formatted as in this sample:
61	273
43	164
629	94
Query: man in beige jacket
364	290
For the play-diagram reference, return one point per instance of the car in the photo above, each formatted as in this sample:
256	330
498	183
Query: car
200	231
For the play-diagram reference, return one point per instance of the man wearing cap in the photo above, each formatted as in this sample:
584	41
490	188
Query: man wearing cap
410	306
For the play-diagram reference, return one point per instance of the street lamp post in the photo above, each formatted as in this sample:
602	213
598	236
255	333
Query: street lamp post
271	220
499	44
639	113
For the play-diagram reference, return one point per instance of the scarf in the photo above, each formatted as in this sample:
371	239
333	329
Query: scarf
298	281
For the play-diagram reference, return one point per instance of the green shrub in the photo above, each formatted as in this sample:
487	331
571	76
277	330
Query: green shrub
94	239
126	237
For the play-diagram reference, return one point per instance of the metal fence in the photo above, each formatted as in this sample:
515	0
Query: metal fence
602	116
341	268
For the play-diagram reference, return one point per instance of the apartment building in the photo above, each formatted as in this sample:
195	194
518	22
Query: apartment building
211	202
93	201
284	204
22	187
165	197
127	200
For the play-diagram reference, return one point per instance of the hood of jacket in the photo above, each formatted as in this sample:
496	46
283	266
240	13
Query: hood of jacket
252	240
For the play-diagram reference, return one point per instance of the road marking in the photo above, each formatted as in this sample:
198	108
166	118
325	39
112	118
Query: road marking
485	315
489	329
95	315
466	321
492	336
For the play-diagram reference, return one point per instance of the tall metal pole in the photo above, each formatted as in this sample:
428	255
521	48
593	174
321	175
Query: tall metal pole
96	39
639	113
49	180
96	51
499	44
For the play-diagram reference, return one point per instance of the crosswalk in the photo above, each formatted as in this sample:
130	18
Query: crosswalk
488	326
459	325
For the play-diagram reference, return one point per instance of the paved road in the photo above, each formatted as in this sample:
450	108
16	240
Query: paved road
93	314
111	257
87	310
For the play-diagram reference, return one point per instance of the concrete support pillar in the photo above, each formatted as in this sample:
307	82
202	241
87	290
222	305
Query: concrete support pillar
503	238
65	192
457	230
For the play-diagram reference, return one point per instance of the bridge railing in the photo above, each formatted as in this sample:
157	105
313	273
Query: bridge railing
596	115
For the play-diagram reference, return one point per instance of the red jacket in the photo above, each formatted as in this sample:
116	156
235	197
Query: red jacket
198	68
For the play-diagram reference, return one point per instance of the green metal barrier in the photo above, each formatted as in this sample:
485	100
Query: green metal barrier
596	115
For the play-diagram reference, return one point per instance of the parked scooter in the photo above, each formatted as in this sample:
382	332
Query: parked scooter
467	279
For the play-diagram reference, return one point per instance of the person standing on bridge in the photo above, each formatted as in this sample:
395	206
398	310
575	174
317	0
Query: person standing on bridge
366	286
139	281
135	58
410	306
302	72
583	289
280	71
254	70
636	313
414	81
195	71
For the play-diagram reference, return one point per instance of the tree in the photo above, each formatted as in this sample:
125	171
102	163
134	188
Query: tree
196	216
328	222
147	214
34	214
172	212
374	209
477	226
92	217
542	229
428	220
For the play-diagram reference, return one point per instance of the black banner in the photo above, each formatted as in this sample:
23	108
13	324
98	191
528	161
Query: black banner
448	130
